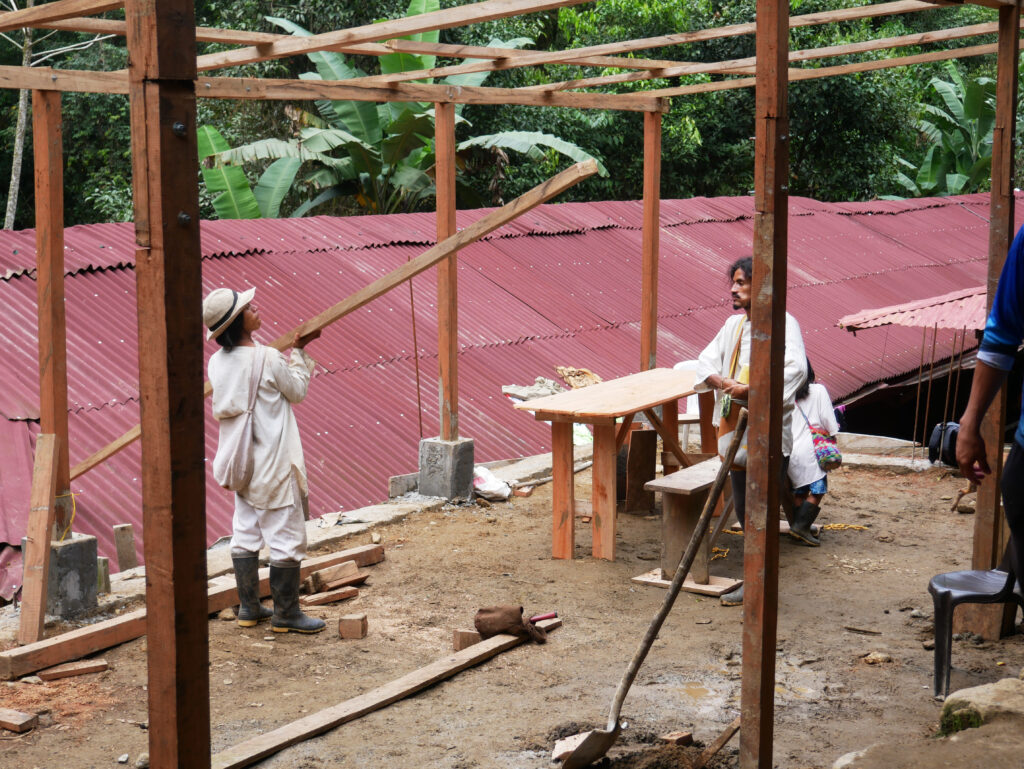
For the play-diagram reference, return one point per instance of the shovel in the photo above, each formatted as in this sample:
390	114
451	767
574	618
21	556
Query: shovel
597	742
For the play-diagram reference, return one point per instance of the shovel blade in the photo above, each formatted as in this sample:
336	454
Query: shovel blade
593	747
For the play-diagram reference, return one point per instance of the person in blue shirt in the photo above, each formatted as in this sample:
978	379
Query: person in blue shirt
1004	332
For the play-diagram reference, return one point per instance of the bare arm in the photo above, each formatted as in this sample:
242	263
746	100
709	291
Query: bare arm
970	446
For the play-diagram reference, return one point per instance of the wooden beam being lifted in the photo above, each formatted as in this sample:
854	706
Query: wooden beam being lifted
486	224
463	15
681	38
61	9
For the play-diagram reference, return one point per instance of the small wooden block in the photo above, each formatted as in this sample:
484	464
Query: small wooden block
352	626
332	596
678	738
102	574
464	638
522	491
124	541
16	721
716	585
69	669
321	578
567	745
356	579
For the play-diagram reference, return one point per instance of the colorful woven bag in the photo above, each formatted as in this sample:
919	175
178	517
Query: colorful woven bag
826	450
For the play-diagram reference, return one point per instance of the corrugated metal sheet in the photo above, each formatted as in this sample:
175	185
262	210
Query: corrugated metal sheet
560	286
956	310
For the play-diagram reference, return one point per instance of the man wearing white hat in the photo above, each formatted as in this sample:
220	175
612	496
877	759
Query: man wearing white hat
271	501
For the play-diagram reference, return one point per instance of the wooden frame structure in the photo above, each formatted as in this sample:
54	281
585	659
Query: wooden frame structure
163	82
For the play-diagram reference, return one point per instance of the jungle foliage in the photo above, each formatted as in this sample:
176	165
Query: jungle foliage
848	134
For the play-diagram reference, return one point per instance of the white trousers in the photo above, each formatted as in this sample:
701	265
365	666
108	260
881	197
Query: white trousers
282	529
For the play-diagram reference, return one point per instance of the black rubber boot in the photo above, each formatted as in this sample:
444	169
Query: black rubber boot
802	519
249	610
734	598
284	587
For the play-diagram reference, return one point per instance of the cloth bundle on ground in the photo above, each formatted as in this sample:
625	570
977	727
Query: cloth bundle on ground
492	620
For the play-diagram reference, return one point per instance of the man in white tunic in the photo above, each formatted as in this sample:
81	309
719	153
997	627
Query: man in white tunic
272	506
724	366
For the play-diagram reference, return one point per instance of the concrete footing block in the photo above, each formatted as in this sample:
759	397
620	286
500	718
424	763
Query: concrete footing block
73	577
446	468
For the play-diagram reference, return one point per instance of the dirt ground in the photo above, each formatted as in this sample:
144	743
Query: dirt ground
508	712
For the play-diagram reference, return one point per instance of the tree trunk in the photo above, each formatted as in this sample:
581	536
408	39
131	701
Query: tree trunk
21	128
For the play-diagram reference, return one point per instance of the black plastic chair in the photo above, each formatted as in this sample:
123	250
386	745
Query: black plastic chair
956	587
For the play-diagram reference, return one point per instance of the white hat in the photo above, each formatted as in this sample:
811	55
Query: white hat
223	305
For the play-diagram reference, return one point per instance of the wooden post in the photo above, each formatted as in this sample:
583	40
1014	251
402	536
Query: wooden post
990	536
447	271
651	241
162	52
563	530
37	545
47	145
124	542
603	484
768	334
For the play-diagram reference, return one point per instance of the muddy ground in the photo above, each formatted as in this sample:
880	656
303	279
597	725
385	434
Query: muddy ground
441	566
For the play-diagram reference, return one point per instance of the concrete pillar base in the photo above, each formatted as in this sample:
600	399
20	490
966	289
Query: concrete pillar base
71	585
446	468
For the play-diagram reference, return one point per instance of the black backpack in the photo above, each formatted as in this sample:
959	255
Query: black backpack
942	444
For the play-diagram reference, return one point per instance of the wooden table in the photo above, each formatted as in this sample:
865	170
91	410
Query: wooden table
600	405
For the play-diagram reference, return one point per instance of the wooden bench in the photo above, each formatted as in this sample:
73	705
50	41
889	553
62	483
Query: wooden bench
684	494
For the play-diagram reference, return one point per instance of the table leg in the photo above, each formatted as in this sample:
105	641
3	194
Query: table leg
563	533
603	500
679	516
670	419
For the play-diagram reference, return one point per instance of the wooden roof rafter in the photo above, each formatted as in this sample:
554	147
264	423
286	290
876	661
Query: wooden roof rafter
574	55
807	54
55	11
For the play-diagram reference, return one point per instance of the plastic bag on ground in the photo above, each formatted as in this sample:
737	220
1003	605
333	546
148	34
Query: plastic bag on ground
489	486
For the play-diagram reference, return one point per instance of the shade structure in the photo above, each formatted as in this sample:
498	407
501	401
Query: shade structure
960	309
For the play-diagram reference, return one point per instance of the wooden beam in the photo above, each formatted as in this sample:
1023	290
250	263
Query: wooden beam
661	41
72	645
796	75
990	533
767	353
481	227
410	25
48	154
269	743
162	107
563	529
447	273
60	9
651	242
37	539
806	54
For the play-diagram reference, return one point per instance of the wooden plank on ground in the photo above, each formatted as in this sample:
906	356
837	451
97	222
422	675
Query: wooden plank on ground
69	669
21	661
37	540
16	721
318	579
352	579
331	596
268	743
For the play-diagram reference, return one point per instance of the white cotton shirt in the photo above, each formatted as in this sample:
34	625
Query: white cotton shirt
716	357
803	466
277	458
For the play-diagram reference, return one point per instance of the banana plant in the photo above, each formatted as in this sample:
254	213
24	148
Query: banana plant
958	158
380	158
234	199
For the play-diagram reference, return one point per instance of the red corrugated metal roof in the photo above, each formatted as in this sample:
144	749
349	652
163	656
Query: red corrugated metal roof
560	286
957	310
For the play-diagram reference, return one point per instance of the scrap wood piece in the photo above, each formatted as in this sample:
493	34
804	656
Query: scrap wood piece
37	540
331	596
711	750
318	579
69	669
16	721
355	579
23	660
268	743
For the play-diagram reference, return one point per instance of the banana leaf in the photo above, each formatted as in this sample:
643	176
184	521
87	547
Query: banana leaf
274	185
